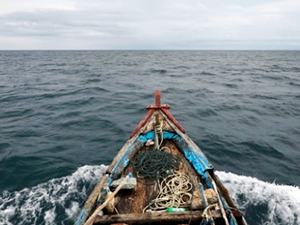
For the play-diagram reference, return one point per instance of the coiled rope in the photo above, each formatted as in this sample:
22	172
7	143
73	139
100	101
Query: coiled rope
174	192
154	164
175	187
159	135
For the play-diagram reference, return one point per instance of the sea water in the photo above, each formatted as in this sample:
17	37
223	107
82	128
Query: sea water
65	114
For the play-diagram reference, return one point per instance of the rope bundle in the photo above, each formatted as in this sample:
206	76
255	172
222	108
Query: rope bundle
174	192
155	164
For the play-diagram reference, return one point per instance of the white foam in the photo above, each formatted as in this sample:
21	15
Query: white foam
282	201
58	201
73	209
50	216
42	203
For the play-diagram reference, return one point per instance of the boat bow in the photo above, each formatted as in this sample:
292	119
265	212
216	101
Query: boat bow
180	186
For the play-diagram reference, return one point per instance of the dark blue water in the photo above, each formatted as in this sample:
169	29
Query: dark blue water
65	114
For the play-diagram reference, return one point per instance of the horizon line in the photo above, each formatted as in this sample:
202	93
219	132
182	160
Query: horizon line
149	49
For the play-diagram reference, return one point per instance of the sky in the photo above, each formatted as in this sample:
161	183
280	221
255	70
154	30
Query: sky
149	24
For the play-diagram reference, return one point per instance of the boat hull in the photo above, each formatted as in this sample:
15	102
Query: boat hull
160	176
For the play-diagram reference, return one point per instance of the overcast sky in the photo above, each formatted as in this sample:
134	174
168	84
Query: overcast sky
149	24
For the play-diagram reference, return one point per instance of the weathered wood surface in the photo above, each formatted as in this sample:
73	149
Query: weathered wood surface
134	201
124	156
224	192
184	167
151	123
131	204
90	202
94	195
142	123
146	127
92	218
119	155
153	217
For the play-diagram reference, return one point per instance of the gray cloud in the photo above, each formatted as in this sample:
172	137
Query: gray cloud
152	24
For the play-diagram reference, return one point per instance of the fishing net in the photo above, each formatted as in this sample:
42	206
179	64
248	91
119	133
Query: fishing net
155	164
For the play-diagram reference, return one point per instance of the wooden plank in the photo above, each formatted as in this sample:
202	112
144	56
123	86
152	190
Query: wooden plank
92	218
224	192
90	202
170	116
220	203
161	217
134	201
142	123
120	155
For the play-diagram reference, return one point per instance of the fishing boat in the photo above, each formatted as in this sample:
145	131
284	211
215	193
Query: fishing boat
160	176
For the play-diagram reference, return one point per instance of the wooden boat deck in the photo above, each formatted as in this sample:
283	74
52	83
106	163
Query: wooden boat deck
134	201
195	191
189	217
131	204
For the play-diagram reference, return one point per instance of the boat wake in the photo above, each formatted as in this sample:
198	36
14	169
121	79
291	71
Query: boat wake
265	203
54	202
59	200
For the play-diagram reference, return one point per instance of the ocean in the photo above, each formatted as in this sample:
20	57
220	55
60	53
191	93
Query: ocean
65	114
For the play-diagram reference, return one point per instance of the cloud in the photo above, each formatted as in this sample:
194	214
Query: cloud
34	5
168	24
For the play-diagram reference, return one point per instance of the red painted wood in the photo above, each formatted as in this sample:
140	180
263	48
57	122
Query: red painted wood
157	98
151	109
142	123
165	106
169	115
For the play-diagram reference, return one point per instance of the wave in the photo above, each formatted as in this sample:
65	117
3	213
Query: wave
54	202
230	85
207	73
281	202
294	84
160	71
58	201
